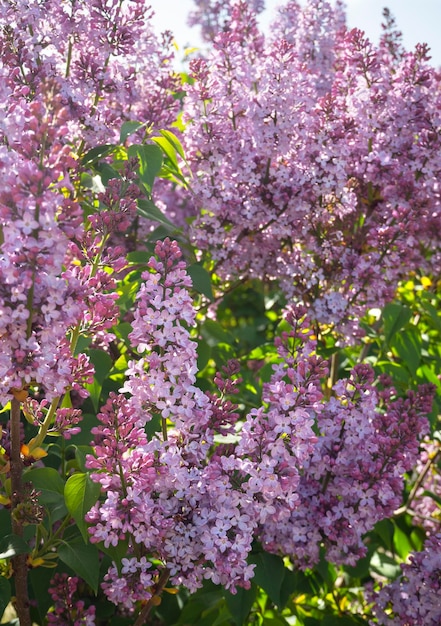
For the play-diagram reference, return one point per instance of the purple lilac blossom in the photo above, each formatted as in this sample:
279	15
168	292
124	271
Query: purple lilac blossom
414	598
297	145
426	512
301	471
68	609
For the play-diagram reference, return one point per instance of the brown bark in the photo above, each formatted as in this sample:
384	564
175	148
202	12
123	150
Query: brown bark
19	562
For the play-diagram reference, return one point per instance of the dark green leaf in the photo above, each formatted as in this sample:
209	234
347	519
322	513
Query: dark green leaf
12	545
295	582
82	559
102	364
269	574
128	128
204	354
97	153
150	162
48	482
395	317
343	620
80	494
80	454
94	391
150	211
214	334
201	280
240	603
408	345
106	172
139	257
434	315
39	579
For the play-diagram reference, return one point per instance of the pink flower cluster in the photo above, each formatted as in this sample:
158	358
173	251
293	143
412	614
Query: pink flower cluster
414	598
296	473
67	609
37	305
297	147
164	493
70	74
425	510
215	16
367	441
93	56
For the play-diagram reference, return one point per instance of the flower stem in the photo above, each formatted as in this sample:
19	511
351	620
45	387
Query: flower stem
145	612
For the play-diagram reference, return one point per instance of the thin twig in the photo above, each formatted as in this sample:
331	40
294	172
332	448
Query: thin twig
141	619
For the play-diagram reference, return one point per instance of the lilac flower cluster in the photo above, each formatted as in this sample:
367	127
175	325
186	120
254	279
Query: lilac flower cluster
214	16
367	441
424	508
164	494
68	610
297	144
93	56
70	74
65	420
296	473
37	305
414	598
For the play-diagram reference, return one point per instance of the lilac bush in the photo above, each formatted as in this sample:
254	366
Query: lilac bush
216	402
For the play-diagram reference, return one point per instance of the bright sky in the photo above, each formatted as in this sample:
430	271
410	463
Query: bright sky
418	20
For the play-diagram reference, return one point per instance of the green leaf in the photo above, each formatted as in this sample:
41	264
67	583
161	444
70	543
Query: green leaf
11	545
384	565
434	315
239	604
80	494
39	579
139	257
204	354
5	594
81	453
128	128
429	376
48	482
174	141
102	363
402	542
395	317
97	153
94	391
201	280
296	582
408	345
106	173
269	574
214	333
150	162
168	149
82	559
147	209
